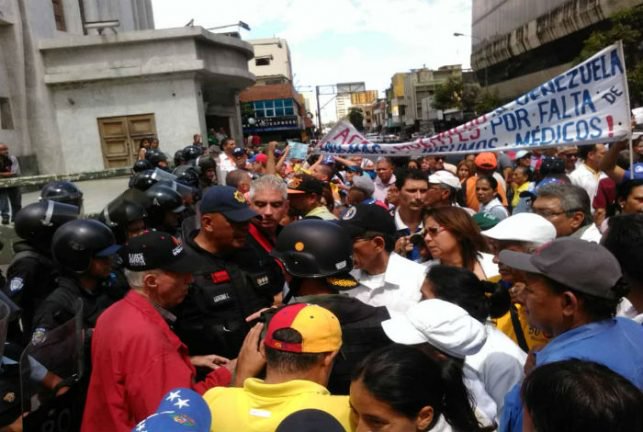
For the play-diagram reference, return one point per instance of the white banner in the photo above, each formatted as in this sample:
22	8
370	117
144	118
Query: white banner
585	105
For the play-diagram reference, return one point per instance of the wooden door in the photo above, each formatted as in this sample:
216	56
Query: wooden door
121	136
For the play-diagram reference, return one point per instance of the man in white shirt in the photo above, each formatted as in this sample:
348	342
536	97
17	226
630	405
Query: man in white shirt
226	161
384	179
386	279
588	174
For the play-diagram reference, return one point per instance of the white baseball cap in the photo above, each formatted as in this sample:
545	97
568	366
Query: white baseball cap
521	154
523	227
446	178
443	325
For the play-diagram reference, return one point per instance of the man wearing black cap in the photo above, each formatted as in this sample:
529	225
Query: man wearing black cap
572	290
386	278
212	317
136	358
306	194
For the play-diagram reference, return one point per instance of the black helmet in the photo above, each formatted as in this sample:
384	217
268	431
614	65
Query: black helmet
142	165
62	191
189	177
314	248
77	242
37	222
142	180
179	157
163	198
154	156
206	163
121	212
192	152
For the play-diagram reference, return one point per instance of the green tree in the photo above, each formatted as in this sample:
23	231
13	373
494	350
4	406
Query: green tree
356	117
454	93
626	26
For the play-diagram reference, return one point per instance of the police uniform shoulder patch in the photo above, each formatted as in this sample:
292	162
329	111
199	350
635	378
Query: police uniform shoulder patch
39	336
239	197
16	284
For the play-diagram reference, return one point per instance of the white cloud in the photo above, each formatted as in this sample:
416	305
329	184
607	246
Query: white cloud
421	32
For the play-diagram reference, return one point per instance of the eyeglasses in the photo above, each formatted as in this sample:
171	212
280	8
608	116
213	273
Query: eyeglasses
549	213
433	231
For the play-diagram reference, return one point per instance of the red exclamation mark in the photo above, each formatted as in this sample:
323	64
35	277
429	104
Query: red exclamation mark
610	125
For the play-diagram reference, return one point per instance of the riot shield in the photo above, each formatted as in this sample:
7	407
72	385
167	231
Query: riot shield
51	369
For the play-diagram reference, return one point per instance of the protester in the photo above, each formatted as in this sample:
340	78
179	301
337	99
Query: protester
386	278
317	257
447	333
486	192
580	396
443	189
624	239
588	173
567	207
413	187
226	162
453	238
569	154
239	179
520	182
524	232
385	178
499	363
9	167
305	194
136	357
299	347
573	289
181	409
486	164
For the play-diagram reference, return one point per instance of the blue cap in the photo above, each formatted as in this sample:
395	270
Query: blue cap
229	202
638	172
180	410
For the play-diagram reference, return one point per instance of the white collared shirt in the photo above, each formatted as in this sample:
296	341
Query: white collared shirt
225	165
588	179
398	288
381	189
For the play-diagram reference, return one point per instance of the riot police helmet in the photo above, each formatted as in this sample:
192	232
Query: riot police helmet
38	221
77	242
179	158
164	198
142	180
206	163
155	156
192	152
189	177
62	191
142	165
315	249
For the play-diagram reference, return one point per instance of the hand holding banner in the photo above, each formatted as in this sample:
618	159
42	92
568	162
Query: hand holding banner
587	104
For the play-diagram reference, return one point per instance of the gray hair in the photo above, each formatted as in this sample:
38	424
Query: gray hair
233	178
135	278
269	182
572	198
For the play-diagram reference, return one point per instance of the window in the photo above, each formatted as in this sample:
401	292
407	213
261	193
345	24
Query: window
263	61
274	108
59	15
6	120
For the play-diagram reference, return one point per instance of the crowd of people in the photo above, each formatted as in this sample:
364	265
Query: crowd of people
235	288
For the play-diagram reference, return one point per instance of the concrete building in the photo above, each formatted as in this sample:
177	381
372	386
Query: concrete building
517	44
80	95
271	60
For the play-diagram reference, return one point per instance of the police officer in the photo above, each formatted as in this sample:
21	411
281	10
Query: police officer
141	165
192	152
157	158
164	208
208	172
82	250
143	180
317	255
62	191
31	274
212	317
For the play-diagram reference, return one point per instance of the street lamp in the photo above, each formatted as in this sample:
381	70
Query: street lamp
240	24
457	34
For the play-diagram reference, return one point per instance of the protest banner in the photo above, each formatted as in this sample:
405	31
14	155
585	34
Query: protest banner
297	150
585	105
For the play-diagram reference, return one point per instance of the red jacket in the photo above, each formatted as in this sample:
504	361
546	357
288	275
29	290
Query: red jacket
136	359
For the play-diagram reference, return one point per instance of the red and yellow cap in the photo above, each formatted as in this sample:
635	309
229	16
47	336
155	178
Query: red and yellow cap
319	329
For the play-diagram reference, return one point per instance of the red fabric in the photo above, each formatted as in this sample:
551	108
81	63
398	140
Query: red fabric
263	242
606	194
136	359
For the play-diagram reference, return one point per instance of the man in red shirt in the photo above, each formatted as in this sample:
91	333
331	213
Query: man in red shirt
136	358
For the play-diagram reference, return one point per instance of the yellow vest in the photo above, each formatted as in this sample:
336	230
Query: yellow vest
533	336
260	407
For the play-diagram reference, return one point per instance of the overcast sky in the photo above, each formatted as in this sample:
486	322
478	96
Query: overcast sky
335	41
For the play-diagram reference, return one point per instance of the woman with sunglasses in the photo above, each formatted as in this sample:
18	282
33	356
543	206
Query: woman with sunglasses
454	239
